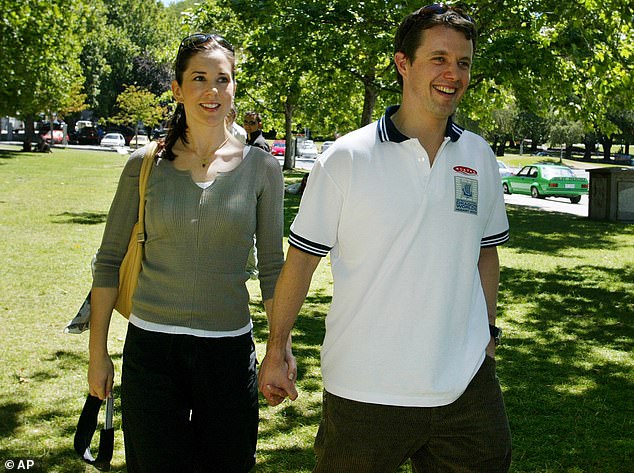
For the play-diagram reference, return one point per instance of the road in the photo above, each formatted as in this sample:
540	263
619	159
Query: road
550	204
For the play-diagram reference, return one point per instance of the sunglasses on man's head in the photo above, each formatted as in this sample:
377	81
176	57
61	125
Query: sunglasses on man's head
439	9
195	40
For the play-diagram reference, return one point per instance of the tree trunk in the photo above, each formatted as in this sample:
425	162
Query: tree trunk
502	148
289	152
369	99
590	146
606	142
29	132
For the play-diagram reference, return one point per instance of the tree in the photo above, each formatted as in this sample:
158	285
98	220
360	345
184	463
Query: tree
569	56
41	42
533	127
321	62
565	133
129	42
136	105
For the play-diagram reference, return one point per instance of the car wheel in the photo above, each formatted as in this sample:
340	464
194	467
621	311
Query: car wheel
575	199
505	187
535	193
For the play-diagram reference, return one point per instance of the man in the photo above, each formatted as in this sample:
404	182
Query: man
253	127
411	210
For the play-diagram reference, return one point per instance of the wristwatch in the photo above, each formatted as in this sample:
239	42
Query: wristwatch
496	333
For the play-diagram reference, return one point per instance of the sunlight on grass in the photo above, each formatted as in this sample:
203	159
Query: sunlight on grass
566	364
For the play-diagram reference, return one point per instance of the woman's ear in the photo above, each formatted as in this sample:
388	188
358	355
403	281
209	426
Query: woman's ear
176	91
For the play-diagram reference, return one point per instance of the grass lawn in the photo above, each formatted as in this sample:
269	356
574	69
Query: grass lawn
566	308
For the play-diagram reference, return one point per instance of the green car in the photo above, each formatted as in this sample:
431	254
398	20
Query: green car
546	180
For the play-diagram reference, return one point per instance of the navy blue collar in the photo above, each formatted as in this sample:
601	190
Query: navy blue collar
388	132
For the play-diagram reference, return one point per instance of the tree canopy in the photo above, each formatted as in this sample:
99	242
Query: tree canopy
325	65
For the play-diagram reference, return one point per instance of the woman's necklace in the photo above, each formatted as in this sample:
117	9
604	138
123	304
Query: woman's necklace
207	159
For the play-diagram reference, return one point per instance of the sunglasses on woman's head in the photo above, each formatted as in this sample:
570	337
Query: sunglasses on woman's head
195	40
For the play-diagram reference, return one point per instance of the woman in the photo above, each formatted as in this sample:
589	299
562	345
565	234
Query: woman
189	386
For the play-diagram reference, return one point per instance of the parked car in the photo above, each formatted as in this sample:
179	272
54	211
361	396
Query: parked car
325	145
87	135
278	148
126	131
113	140
58	136
504	169
308	149
139	141
546	180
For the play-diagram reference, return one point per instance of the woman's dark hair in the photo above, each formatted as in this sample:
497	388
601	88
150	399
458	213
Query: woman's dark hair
189	47
408	35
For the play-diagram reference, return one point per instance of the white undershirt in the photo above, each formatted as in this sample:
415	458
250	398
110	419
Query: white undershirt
204	185
179	330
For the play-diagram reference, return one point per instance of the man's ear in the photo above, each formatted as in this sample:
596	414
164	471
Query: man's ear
401	61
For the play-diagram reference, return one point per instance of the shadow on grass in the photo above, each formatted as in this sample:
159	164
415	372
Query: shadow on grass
308	335
61	416
291	201
10	418
566	363
81	218
552	233
10	154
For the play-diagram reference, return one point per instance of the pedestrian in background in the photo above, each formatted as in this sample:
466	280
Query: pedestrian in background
253	126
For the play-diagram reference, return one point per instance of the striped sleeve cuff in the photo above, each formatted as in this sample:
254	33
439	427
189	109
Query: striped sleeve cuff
495	240
307	246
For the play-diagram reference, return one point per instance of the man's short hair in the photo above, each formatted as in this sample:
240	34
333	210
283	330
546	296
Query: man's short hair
254	115
408	35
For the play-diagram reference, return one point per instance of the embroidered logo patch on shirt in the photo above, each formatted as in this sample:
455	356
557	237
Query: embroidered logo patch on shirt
466	195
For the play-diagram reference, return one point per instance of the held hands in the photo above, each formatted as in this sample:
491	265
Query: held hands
276	379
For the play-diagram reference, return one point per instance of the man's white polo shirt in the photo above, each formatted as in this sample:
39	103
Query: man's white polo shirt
408	321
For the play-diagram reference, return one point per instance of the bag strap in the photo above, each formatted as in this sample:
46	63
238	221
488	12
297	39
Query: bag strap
144	175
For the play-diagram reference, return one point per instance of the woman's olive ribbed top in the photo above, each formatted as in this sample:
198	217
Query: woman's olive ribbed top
198	241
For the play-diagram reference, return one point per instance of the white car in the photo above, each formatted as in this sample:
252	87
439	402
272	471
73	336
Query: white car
308	149
139	141
504	169
325	145
113	140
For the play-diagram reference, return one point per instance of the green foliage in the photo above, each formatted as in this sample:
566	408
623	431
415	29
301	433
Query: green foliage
324	65
564	132
136	105
130	41
40	42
